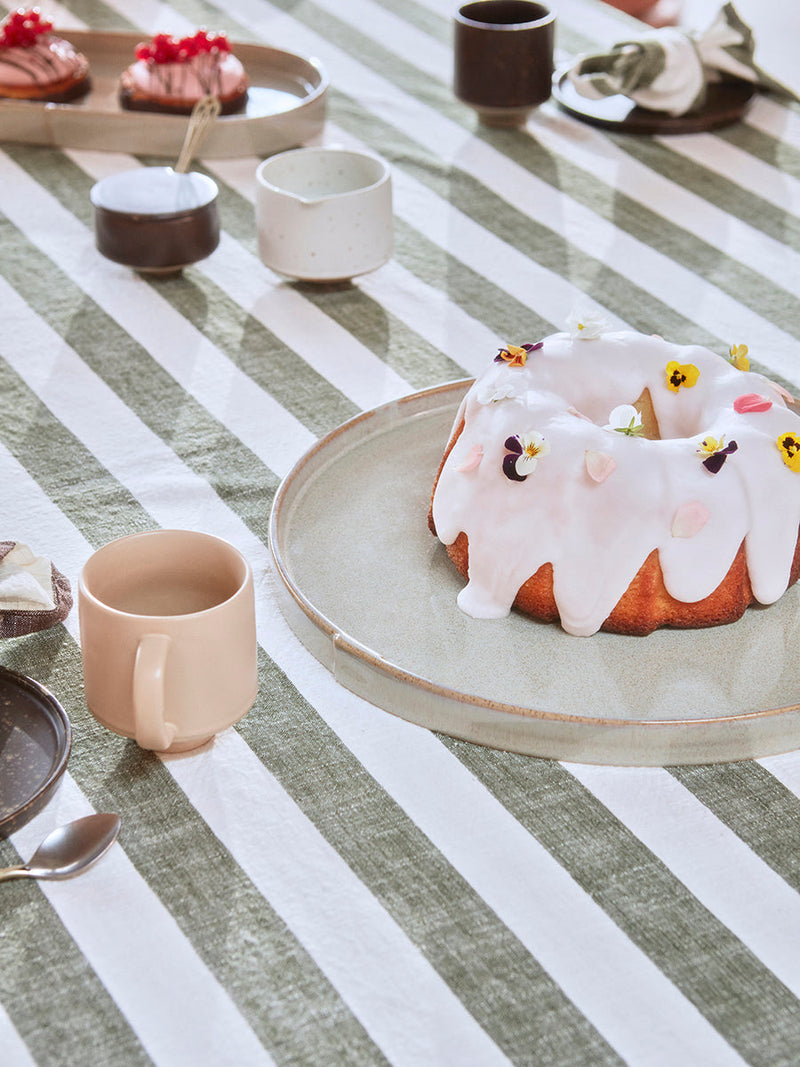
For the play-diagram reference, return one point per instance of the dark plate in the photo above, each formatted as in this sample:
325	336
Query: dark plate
35	742
725	104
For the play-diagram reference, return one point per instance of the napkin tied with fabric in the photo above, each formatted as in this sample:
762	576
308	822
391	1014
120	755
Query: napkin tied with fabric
33	594
670	69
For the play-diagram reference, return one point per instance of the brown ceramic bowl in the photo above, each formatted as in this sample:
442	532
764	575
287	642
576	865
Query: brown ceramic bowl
155	219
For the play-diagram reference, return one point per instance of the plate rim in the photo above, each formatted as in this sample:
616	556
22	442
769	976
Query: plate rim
650	122
62	731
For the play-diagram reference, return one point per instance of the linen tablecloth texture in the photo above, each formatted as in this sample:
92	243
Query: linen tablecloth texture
327	884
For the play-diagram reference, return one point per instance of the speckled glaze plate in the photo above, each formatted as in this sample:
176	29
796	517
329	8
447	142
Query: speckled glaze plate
372	594
725	104
286	106
35	742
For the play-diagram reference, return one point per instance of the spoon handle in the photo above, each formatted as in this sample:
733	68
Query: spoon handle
7	874
201	120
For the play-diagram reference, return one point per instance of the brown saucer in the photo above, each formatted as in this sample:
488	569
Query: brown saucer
725	104
35	743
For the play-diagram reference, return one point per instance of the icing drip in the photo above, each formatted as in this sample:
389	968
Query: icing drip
597	520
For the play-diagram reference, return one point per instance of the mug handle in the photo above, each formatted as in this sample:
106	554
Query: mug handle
152	730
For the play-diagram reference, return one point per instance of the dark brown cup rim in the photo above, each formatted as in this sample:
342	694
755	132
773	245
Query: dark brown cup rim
465	16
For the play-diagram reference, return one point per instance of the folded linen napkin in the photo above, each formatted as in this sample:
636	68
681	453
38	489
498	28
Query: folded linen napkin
670	69
33	594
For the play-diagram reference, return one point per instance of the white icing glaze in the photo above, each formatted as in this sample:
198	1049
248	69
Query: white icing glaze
50	59
210	72
598	534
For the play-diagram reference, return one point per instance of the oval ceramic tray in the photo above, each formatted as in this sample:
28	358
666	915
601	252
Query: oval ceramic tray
286	107
35	742
372	594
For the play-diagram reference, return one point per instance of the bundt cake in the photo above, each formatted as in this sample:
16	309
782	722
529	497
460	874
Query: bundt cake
612	480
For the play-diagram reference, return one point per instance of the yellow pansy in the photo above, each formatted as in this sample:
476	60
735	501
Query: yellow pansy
679	374
737	355
789	445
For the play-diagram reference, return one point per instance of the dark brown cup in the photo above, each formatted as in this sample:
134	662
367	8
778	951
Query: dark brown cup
503	58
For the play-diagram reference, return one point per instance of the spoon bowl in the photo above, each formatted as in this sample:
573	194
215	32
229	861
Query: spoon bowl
69	849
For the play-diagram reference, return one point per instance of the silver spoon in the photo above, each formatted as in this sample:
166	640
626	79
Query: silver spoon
69	850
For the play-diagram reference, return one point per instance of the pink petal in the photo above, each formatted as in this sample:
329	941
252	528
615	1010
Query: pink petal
599	465
473	460
751	402
787	396
690	519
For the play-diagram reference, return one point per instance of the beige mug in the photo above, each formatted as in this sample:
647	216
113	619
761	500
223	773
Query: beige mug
168	637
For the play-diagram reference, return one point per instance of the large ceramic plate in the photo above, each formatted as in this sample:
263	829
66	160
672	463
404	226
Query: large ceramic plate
372	594
35	740
725	104
286	107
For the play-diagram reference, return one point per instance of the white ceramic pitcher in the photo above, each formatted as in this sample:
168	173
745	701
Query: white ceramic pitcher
324	214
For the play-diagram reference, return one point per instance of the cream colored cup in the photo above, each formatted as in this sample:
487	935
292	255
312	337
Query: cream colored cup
324	214
168	637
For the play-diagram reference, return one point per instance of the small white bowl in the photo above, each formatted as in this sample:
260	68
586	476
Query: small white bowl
324	214
154	219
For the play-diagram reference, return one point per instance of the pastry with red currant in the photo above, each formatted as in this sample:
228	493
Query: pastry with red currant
37	64
171	74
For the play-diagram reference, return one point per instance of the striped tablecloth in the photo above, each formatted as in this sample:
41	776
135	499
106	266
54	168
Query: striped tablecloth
328	884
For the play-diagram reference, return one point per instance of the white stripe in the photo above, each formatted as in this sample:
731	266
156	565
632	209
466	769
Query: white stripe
717	867
750	173
360	948
178	1010
775	119
15	1051
786	768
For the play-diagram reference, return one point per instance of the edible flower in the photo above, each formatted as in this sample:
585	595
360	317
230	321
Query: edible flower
586	324
473	460
492	392
22	28
516	355
690	519
598	465
525	450
737	355
751	402
625	419
679	374
715	452
789	444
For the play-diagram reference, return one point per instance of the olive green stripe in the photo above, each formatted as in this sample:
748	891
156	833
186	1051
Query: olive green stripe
476	954
237	334
200	441
780	154
733	199
748	800
491	972
740	997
